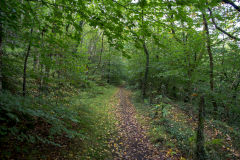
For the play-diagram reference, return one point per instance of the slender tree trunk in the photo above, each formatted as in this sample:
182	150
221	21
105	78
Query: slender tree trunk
36	58
40	64
144	84
208	43
47	74
1	55
25	65
41	79
234	87
100	57
34	62
109	70
200	151
144	87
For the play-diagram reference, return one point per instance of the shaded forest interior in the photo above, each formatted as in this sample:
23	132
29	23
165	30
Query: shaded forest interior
62	62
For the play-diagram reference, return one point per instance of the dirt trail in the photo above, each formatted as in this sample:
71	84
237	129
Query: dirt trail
133	144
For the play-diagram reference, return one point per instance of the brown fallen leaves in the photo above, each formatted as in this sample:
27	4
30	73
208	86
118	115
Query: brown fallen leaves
132	142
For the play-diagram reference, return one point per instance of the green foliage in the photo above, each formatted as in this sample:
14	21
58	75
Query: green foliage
175	131
97	121
34	123
16	111
163	108
52	50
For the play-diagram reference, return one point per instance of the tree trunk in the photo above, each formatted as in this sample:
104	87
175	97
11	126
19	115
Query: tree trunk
109	70
25	65
144	87
40	79
1	55
41	65
100	56
234	87
46	77
200	151
208	43
36	62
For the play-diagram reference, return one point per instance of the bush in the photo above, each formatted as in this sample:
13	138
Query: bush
25	120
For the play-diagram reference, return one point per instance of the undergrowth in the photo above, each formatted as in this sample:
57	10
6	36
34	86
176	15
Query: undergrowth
73	127
97	122
172	129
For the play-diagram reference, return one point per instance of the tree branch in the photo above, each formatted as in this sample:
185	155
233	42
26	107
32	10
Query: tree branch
220	29
232	4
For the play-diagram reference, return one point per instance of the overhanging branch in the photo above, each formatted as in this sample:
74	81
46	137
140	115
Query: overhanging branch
232	4
220	29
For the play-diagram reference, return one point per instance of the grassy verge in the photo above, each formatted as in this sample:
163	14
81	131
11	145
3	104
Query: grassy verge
173	131
74	126
96	121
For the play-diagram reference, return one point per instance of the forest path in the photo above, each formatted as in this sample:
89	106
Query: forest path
133	143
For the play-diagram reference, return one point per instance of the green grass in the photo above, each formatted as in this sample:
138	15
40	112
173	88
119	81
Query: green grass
76	126
97	121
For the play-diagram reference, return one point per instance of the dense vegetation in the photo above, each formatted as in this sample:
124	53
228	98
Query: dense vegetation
59	61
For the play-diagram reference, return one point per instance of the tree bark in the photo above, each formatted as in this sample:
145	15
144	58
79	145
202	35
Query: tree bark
234	87
144	87
109	66
109	70
25	65
36	62
208	43
1	55
40	68
200	151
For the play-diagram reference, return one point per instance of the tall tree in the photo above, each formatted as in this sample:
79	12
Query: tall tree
209	50
143	4
200	151
25	64
1	56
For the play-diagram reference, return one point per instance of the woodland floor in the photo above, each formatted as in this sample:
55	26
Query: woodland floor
133	142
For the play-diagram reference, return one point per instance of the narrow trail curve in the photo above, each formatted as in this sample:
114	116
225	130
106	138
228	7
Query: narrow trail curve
133	144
